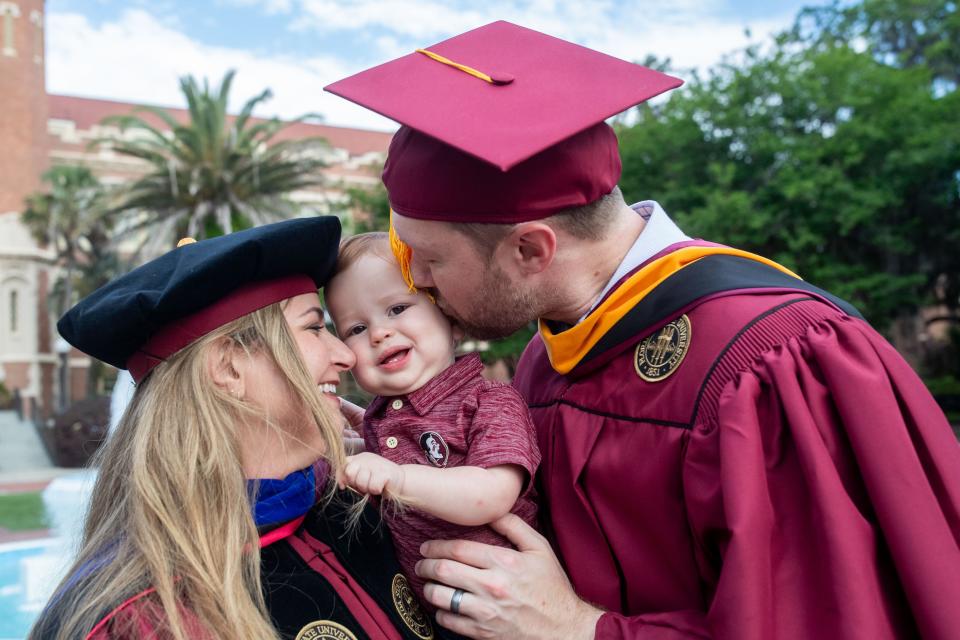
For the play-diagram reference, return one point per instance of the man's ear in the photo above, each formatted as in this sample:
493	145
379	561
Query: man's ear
532	247
227	365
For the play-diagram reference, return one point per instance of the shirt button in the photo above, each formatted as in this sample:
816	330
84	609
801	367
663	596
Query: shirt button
397	404
392	442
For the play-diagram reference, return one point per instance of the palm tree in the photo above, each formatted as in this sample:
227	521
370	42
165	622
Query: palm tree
72	218
215	172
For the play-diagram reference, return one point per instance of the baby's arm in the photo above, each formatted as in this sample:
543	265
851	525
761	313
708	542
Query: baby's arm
469	496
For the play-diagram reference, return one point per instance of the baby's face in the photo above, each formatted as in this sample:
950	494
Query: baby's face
401	339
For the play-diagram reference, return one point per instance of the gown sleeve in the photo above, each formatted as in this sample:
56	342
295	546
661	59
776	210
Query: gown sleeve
141	617
824	500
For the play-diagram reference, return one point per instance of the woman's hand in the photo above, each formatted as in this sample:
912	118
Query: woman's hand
353	414
371	474
353	425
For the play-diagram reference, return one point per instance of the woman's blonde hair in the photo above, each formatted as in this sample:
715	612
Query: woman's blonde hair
171	509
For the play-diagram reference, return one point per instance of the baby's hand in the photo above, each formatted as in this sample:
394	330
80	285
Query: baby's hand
369	473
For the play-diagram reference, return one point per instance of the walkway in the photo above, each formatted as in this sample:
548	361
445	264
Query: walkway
22	454
24	467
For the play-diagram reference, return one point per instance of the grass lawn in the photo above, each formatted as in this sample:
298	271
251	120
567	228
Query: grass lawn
22	512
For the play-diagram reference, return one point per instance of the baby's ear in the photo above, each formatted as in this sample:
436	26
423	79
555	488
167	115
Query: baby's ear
458	332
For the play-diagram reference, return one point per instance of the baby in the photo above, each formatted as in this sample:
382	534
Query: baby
460	451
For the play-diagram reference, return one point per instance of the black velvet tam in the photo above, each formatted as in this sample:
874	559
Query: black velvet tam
116	320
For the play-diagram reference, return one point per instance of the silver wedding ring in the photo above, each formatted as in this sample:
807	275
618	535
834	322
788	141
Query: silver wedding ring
455	600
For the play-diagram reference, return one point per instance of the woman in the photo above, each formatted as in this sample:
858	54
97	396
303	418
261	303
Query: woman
204	522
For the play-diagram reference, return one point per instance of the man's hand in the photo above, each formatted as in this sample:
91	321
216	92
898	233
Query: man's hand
522	594
371	474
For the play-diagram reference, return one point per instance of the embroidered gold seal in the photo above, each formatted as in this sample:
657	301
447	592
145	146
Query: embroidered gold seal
409	609
661	353
325	630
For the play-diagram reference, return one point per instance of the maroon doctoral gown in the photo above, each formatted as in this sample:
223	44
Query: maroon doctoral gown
765	466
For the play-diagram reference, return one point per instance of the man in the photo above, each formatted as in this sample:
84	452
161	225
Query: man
728	451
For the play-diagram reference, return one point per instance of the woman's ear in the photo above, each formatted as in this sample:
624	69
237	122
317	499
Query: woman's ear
227	365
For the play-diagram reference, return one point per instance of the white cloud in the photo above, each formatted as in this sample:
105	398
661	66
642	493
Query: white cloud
138	56
416	18
139	59
572	19
270	7
691	45
690	32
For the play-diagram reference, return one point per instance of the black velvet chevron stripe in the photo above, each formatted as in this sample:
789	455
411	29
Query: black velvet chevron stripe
705	277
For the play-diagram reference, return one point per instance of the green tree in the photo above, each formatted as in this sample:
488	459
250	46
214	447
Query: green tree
72	218
898	33
828	158
214	173
368	208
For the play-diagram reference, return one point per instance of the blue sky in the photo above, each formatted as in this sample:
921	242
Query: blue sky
135	49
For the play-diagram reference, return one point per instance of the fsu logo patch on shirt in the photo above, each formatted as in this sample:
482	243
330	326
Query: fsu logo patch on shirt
409	609
325	630
434	448
660	354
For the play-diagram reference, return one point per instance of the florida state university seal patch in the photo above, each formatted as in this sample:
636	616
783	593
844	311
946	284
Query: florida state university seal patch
325	630
661	353
409	609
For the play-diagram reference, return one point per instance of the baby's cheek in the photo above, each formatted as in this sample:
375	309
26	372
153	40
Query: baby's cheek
364	372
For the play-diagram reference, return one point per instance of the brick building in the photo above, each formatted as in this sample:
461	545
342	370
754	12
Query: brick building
38	130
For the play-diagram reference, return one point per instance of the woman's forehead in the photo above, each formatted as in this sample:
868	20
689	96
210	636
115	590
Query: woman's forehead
303	305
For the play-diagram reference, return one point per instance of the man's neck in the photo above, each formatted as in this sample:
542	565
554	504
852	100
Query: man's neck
588	266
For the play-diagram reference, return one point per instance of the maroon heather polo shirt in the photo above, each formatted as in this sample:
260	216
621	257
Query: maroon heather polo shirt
457	419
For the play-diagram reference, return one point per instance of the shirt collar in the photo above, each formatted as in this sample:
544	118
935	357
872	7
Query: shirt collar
438	388
659	233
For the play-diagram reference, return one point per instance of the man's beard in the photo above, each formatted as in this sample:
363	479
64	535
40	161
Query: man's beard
497	309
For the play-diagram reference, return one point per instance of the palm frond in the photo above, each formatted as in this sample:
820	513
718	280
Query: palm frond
214	172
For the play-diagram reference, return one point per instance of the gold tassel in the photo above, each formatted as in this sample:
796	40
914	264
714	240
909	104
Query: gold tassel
403	253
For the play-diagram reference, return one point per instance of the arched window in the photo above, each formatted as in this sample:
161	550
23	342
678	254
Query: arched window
14	311
36	18
8	12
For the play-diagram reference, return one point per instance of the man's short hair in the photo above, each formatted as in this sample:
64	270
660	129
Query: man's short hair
589	222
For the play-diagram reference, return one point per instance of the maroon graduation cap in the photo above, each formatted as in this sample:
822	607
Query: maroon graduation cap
501	124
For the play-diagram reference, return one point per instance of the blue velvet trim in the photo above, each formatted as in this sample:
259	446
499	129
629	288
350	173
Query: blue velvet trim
279	501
